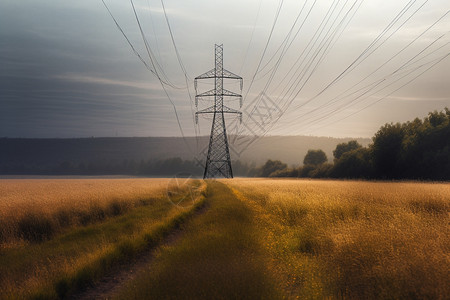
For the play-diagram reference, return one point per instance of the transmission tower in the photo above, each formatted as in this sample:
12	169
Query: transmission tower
218	163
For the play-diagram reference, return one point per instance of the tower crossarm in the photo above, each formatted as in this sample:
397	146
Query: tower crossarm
209	93
212	93
212	74
226	110
211	110
207	75
230	94
208	110
230	75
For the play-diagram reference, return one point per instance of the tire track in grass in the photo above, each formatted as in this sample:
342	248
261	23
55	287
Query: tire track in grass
32	271
217	257
134	258
79	258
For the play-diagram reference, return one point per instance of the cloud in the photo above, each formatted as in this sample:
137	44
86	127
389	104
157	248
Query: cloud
400	98
67	71
107	81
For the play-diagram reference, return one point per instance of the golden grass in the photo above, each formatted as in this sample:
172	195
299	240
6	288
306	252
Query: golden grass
217	257
49	195
35	209
354	239
79	255
308	239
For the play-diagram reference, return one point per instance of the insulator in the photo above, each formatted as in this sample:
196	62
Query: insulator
196	119
196	102
240	102
242	84
240	118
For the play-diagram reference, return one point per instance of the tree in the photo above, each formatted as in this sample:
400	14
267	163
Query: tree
321	171
345	147
426	147
288	172
315	157
353	164
387	150
271	166
306	170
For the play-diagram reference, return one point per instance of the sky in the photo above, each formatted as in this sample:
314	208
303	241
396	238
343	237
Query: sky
325	68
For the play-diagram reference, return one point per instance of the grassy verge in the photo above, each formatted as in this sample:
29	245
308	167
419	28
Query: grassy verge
218	257
69	262
353	239
36	227
36	210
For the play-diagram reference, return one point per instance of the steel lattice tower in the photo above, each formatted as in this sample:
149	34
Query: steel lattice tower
218	162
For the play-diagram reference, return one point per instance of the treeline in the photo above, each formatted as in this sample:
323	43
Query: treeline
164	167
419	149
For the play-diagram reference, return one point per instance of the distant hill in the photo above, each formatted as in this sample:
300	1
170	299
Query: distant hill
47	152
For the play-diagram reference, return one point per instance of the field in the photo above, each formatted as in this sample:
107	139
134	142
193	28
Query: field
354	239
240	238
35	209
59	235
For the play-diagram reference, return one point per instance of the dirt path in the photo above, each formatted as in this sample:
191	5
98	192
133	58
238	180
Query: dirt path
117	278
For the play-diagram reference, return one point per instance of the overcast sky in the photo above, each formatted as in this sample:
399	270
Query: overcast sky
347	67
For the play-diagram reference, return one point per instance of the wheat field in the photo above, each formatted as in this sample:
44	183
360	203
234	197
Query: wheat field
354	239
275	238
35	209
59	236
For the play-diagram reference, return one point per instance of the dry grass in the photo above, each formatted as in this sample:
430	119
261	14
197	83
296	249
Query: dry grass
136	214
217	257
36	209
354	239
309	239
49	195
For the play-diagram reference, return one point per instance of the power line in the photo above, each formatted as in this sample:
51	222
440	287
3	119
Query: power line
251	37
265	47
384	97
406	8
153	29
360	58
324	37
304	70
301	26
330	38
376	83
382	80
285	41
180	62
127	39
161	82
316	52
153	71
382	65
153	60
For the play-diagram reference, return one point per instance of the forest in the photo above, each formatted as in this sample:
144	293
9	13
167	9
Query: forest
418	149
